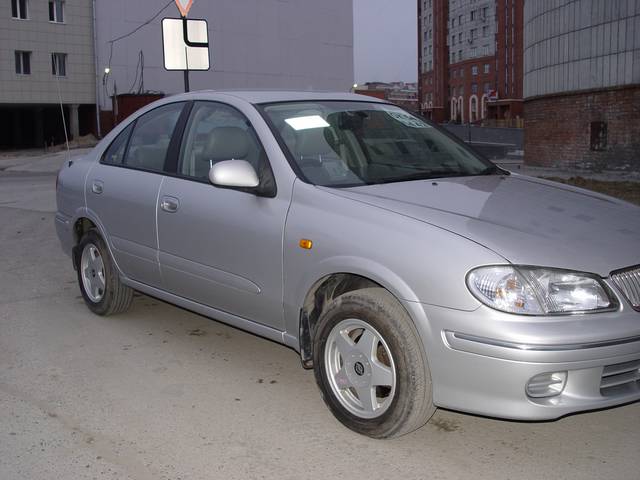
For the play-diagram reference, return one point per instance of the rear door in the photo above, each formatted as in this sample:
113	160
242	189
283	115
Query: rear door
222	247
122	190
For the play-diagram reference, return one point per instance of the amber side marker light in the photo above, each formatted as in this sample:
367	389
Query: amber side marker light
306	244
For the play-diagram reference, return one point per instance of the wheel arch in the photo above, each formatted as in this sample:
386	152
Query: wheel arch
328	286
84	221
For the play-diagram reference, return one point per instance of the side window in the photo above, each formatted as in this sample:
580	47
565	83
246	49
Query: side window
115	153
151	137
216	132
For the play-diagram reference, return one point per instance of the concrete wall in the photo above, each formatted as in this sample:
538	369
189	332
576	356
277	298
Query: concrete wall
580	44
42	37
298	44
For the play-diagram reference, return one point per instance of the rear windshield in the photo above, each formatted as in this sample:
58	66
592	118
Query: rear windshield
339	144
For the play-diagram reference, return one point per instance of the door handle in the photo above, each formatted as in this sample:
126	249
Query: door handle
97	187
169	204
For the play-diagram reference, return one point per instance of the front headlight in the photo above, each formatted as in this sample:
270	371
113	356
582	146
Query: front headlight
539	291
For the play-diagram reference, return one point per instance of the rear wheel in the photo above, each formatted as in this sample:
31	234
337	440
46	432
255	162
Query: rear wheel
101	288
370	365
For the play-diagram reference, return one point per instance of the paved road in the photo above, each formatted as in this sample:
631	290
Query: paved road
162	393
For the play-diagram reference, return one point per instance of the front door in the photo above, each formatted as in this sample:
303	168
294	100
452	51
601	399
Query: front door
222	247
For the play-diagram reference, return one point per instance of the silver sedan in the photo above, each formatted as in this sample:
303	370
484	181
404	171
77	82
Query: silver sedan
406	270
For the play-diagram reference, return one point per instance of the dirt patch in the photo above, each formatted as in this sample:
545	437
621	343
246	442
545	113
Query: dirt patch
629	191
444	425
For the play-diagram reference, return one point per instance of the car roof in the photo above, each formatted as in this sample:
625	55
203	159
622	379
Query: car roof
269	96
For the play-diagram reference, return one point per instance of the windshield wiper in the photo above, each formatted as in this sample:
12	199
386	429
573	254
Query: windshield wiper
494	170
425	175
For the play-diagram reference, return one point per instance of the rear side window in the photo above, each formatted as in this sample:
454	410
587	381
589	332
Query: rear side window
151	137
115	153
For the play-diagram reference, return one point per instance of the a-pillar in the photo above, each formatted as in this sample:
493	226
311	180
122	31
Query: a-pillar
74	127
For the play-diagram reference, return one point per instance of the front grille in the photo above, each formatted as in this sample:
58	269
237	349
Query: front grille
620	379
628	281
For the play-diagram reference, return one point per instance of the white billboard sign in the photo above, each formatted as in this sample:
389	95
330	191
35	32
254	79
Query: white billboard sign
185	44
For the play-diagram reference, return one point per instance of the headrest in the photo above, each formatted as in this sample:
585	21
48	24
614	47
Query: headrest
312	142
227	143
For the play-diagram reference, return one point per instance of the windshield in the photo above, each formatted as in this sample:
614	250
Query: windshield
340	144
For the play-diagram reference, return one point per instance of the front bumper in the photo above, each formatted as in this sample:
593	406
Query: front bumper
481	361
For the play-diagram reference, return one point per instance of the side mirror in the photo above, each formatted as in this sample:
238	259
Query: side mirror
233	173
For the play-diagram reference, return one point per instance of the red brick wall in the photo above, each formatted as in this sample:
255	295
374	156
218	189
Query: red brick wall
558	129
509	62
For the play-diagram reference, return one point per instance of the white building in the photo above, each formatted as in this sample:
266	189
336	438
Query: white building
297	44
46	56
278	44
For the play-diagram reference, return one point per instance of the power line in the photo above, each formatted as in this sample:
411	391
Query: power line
121	37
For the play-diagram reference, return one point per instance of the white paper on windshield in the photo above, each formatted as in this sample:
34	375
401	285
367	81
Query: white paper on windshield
406	119
305	123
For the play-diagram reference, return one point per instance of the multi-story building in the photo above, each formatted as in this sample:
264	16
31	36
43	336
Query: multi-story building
48	56
297	44
470	59
582	84
46	59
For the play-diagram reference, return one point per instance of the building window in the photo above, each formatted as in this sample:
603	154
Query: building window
485	31
474	70
430	33
59	64
487	68
473	33
474	88
430	67
472	15
453	39
430	49
474	52
462	73
23	62
485	12
598	136
487	87
19	9
485	50
461	91
453	22
460	37
459	55
460	20
56	11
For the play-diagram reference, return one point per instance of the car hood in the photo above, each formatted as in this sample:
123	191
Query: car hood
523	219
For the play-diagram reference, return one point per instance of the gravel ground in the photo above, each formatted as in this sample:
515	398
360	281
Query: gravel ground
162	393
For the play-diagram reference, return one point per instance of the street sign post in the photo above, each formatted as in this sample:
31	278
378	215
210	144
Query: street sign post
185	43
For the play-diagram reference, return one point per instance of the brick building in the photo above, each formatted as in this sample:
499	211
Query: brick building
470	59
582	84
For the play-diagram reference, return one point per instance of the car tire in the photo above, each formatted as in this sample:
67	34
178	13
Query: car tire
370	365
100	284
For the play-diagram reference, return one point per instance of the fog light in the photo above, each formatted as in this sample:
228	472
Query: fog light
547	384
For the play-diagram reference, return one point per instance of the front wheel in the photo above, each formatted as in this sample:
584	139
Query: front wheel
370	365
101	288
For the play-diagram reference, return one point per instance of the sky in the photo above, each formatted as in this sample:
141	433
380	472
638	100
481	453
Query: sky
385	41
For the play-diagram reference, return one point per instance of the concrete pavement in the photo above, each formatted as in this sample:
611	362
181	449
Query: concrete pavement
162	393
